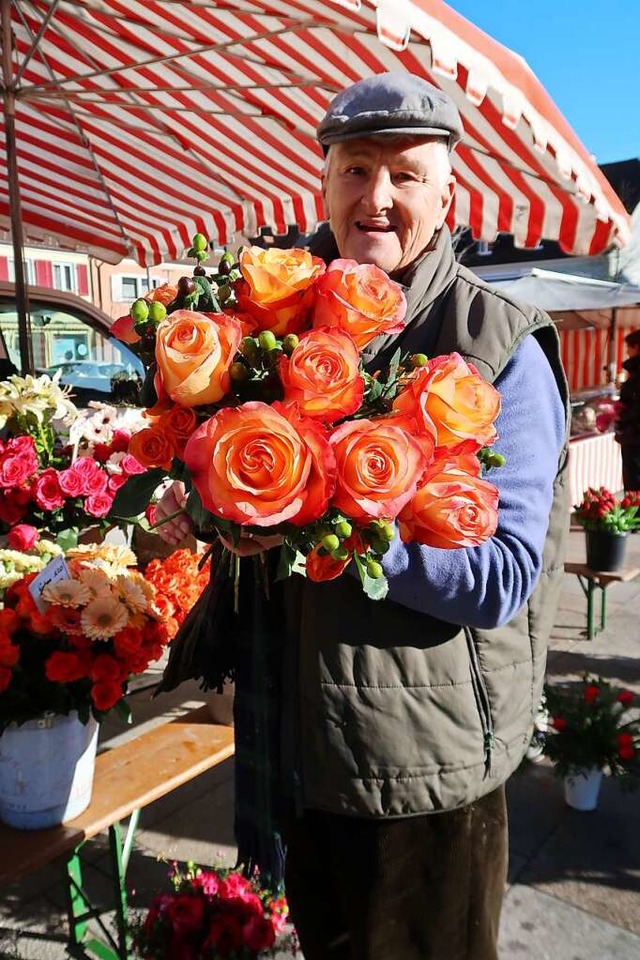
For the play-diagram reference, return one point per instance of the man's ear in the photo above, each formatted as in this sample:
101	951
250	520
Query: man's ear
323	191
446	199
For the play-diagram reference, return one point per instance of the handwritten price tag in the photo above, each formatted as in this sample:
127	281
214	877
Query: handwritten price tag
55	570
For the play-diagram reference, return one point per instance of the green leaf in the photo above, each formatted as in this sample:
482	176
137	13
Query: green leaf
199	514
136	494
67	539
207	299
394	363
375	589
286	561
123	710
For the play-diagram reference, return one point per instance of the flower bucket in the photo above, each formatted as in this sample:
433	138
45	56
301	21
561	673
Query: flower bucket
582	788
605	549
46	770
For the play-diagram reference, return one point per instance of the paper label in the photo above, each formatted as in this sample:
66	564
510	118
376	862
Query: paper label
55	570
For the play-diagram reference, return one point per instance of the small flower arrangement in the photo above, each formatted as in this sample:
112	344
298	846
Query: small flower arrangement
594	725
260	402
47	483
601	510
211	915
101	625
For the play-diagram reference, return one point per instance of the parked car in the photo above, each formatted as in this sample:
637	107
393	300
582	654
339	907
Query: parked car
70	335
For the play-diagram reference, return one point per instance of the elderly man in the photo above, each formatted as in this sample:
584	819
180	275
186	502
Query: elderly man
402	719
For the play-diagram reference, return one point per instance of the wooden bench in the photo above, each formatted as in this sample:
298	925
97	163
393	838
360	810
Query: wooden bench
127	778
593	580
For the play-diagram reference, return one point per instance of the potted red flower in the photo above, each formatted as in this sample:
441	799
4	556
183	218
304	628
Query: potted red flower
594	728
65	661
607	522
213	914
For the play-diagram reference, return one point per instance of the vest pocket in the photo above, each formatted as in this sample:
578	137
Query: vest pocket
482	700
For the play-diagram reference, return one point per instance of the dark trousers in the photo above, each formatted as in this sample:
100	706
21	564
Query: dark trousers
631	466
416	888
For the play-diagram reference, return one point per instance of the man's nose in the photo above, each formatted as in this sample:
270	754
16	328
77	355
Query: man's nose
378	191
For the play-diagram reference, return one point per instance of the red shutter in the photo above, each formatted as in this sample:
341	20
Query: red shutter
44	273
4	268
83	279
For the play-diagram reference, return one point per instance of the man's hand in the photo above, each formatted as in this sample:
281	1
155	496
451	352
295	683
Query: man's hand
248	545
177	530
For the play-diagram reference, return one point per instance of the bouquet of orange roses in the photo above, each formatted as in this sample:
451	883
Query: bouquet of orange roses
263	407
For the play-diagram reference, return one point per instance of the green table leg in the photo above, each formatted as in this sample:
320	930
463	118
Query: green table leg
603	609
80	909
590	625
589	588
120	851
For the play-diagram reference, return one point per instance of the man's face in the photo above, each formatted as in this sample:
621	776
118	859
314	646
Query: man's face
384	201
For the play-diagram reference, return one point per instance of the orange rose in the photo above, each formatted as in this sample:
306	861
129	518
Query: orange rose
323	375
277	289
453	508
165	294
449	399
260	465
178	423
194	352
379	466
359	298
152	447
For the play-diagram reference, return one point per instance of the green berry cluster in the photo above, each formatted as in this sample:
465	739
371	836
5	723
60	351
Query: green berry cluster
374	541
259	356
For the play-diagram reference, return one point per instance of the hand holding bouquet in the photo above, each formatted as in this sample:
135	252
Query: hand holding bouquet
263	407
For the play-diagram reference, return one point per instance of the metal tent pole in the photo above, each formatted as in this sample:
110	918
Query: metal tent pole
9	98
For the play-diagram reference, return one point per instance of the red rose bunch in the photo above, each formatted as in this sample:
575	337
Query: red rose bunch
599	509
213	914
594	724
283	430
99	626
177	581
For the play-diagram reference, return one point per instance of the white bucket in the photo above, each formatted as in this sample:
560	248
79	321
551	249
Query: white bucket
46	770
581	789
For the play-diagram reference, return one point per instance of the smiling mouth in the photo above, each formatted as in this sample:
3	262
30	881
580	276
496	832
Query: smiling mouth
365	227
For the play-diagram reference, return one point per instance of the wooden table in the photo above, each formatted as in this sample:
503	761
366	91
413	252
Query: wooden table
593	580
127	778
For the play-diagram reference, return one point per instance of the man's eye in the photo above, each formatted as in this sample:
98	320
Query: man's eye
354	171
402	177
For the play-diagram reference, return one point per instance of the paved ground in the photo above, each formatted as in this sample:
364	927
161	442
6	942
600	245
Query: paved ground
574	884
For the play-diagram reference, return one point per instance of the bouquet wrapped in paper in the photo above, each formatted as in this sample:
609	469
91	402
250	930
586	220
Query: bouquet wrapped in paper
260	402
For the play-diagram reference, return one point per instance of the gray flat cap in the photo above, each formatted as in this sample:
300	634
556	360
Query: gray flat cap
390	103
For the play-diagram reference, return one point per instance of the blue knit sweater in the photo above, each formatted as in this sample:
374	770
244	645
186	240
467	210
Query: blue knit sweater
485	586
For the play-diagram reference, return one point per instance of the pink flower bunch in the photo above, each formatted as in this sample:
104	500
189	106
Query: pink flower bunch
213	914
64	495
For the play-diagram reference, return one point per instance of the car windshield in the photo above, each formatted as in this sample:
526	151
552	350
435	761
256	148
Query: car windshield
93	364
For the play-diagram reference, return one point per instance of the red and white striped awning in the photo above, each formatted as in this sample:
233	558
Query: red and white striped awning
139	123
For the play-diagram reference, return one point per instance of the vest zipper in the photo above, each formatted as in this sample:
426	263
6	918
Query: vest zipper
482	701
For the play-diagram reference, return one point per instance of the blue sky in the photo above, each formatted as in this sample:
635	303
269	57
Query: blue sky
587	55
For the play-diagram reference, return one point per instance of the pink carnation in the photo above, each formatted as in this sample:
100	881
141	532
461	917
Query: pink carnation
98	505
115	482
71	482
22	536
15	469
47	492
130	466
96	483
